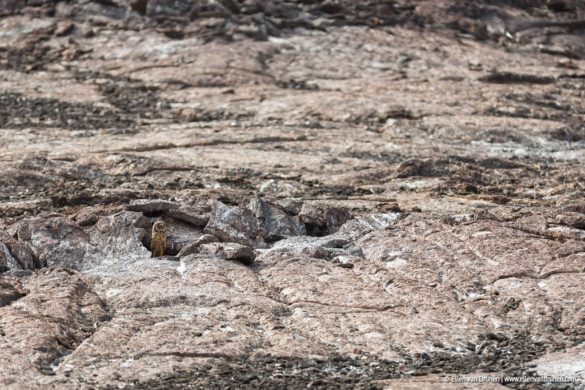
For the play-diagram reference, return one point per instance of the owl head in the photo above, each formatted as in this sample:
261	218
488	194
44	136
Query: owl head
159	227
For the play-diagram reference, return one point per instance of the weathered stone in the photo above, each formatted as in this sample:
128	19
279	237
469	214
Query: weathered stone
151	206
193	247
362	225
418	167
322	219
7	261
476	380
326	247
139	6
566	365
345	261
63	311
23	232
229	251
276	224
234	224
188	215
57	241
8	7
289	206
23	253
113	237
86	217
10	290
64	28
165	99
179	235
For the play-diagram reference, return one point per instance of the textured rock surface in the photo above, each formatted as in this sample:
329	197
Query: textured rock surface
152	206
235	224
229	251
187	215
323	220
193	247
56	314
276	223
407	178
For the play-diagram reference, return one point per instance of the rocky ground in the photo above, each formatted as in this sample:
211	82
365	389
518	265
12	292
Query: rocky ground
377	194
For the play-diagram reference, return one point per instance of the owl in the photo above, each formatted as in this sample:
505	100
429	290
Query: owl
158	241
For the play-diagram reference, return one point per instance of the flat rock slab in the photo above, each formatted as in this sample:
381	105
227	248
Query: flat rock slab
152	206
408	179
193	247
229	251
187	215
426	293
480	381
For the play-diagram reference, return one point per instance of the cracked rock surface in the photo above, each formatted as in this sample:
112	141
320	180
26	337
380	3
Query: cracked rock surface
356	194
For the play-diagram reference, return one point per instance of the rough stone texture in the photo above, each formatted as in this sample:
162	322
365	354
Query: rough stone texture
451	132
89	216
7	261
193	247
276	223
58	241
321	220
179	235
188	215
235	224
10	290
58	312
436	382
23	254
568	363
151	206
229	251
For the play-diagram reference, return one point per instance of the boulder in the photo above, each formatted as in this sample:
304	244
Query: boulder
234	224
229	251
10	291
23	253
58	241
322	219
276	223
7	262
188	215
193	247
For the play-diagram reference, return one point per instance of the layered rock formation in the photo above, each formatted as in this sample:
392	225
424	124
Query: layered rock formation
357	195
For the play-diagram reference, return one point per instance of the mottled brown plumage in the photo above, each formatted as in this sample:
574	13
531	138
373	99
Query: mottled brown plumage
158	241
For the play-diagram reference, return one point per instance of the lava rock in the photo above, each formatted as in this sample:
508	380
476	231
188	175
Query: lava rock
188	215
7	262
230	251
152	206
418	167
179	235
23	253
326	248
276	224
234	224
10	291
321	220
193	247
64	28
23	230
86	217
124	233
58	241
289	206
